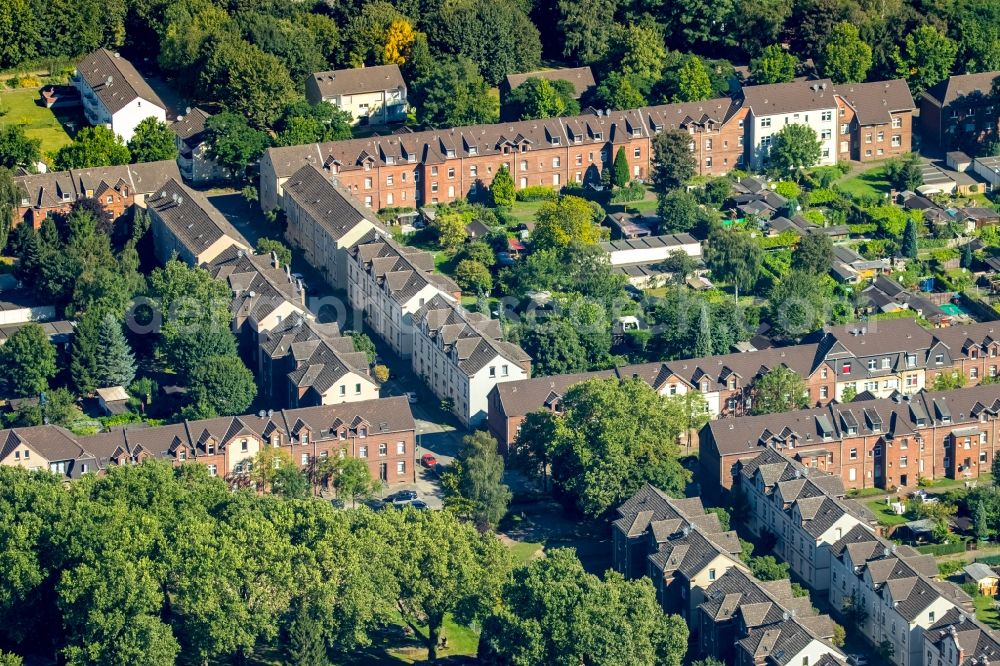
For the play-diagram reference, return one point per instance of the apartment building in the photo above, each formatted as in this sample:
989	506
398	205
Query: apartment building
786	644
738	607
439	166
115	189
677	545
303	363
325	221
802	508
462	356
959	639
891	593
885	443
192	151
372	95
960	112
115	94
875	120
388	283
380	432
773	106
186	224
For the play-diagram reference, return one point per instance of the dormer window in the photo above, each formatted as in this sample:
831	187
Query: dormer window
450	152
556	141
362	432
275	440
389	159
244	446
342	434
304	437
210	448
598	136
846	368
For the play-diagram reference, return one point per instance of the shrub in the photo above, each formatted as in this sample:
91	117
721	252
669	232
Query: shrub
535	193
631	192
381	374
951	567
820	196
787	189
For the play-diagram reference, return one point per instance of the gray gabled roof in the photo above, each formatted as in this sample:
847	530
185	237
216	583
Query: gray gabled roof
115	80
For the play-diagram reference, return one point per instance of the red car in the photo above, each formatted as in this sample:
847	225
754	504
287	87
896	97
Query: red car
428	460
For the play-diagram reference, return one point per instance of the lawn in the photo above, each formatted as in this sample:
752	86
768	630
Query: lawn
884	513
525	211
867	183
524	551
986	611
19	107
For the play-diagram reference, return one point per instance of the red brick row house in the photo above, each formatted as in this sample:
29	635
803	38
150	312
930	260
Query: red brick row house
380	432
887	443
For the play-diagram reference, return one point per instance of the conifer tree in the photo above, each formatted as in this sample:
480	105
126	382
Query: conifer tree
115	362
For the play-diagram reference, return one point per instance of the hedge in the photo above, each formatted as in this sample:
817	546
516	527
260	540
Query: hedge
989	559
535	193
943	548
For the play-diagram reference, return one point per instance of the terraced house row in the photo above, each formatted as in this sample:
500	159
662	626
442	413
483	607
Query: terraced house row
873	360
888	443
890	591
380	432
697	571
298	361
864	122
398	294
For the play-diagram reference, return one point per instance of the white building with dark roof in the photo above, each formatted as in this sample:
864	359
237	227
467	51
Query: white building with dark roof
462	356
372	95
192	151
115	94
773	106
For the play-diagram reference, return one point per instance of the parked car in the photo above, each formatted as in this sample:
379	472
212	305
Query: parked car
419	505
375	504
337	503
402	497
857	660
428	460
411	397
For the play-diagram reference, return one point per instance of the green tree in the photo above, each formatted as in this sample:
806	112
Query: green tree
441	566
541	98
767	568
566	220
8	199
533	446
222	385
290	483
455	94
637	50
233	143
585	29
980	522
673	164
619	92
281	251
966	259
926	58
800	303
602	454
354	480
502	188
555	348
305	646
92	147
621	175
115	362
449	228
813	254
678	211
17	149
473	277
301	122
29	361
794	147
246	81
188	28
779	390
363	343
910	239
84	351
555	612
19	33
904	173
153	141
693	84
845	57
480	484
733	257
703	333
773	65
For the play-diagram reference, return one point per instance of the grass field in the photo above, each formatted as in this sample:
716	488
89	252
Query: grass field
884	514
986	612
19	107
870	183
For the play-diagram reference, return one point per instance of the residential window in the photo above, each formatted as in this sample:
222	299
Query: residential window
708	144
880	136
765	122
897	123
244	446
213	470
304	459
400	467
383	450
434	171
343	390
389	199
357	389
708	161
846	368
903	462
854	454
524	165
493	371
504	371
885	363
368	183
473	171
711	574
451	173
826	134
845	129
362	432
868	137
388	180
930	616
579	159
826	116
897	140
823	373
363	452
637	153
974	373
872	364
824	392
434	187
368	202
852	474
400	448
556	162
938	359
